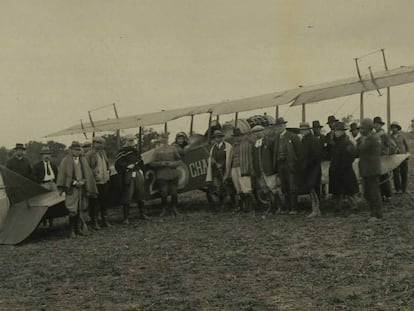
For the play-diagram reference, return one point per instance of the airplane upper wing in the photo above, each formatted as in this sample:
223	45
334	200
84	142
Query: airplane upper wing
340	88
298	96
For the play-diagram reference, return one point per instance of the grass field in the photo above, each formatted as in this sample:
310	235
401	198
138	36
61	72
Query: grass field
207	261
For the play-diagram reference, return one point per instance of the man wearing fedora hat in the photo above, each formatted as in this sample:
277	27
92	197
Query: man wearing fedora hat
330	136
310	158
98	162
317	129
387	148
401	172
369	151
19	163
218	166
76	180
285	162
45	173
355	135
128	164
343	183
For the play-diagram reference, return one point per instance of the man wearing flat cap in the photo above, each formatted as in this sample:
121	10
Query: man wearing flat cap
76	180
240	171
129	164
343	183
309	171
218	165
45	173
401	172
98	162
369	151
285	161
19	163
165	163
387	148
263	170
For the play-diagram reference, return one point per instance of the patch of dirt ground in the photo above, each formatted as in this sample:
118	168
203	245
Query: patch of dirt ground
218	261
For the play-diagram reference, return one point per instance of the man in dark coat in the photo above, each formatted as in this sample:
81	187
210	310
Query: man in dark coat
285	161
387	148
330	137
401	172
128	163
45	173
309	166
19	163
369	151
316	128
342	179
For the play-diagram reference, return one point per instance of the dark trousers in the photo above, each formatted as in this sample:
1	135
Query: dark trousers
373	195
385	185
99	205
401	176
168	187
288	184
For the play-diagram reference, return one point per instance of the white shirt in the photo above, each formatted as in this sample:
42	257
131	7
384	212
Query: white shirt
51	176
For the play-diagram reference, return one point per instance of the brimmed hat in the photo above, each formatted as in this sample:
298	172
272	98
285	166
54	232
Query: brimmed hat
75	145
218	133
237	132
257	128
340	126
45	150
396	124
304	126
98	139
316	124
20	146
280	121
353	126
378	120
367	123
332	119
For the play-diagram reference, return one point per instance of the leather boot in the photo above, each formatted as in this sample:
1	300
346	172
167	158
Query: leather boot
93	215
105	222
293	206
174	204
71	229
141	207
164	203
315	205
78	225
126	214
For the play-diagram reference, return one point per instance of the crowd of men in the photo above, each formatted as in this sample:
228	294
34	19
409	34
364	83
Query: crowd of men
266	157
256	162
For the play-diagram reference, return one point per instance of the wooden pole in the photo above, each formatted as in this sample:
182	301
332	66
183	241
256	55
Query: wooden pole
140	140
236	118
388	94
303	113
118	132
165	127
277	112
191	124
209	126
361	106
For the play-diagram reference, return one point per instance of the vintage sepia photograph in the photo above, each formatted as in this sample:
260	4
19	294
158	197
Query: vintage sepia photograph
206	155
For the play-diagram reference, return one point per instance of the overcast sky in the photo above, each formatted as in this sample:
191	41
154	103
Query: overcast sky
59	59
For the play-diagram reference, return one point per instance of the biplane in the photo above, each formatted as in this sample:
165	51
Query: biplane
194	163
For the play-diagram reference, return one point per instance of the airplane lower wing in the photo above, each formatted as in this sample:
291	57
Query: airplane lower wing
23	203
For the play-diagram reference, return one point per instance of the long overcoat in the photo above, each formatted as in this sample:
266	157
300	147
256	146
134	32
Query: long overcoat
342	179
310	157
